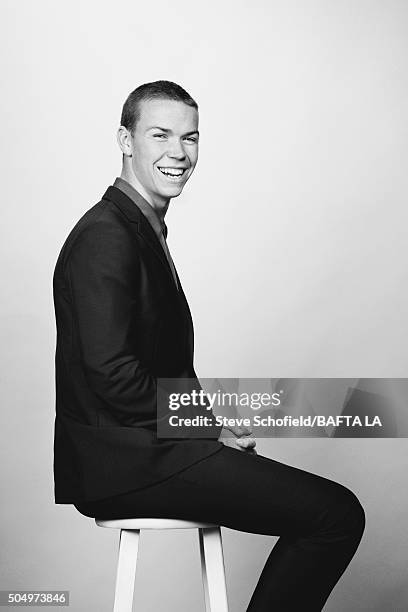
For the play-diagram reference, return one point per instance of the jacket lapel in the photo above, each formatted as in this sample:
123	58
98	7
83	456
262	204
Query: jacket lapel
134	215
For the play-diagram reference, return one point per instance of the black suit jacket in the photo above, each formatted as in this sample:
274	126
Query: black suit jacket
121	324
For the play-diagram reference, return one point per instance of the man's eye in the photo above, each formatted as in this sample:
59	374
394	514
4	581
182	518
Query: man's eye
191	139
161	136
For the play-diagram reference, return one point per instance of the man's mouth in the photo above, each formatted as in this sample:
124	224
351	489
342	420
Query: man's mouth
173	175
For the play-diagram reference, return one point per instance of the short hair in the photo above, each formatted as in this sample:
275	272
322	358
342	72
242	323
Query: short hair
158	90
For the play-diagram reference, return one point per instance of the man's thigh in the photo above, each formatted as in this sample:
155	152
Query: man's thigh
237	490
260	495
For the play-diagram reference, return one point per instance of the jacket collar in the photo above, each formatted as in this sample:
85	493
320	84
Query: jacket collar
147	209
124	203
134	214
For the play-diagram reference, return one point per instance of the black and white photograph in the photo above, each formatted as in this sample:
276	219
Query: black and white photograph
204	333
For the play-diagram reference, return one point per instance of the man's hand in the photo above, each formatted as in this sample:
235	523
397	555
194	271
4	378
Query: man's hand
239	439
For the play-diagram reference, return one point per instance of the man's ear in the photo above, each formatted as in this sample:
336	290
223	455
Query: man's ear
124	139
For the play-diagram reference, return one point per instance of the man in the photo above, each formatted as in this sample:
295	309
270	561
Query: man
123	323
122	317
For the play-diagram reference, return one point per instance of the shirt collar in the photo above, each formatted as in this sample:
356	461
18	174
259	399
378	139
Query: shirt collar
144	206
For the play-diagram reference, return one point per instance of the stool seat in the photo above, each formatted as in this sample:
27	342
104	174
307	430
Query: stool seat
152	523
211	556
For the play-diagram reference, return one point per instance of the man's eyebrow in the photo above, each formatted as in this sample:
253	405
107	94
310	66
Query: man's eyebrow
157	127
168	131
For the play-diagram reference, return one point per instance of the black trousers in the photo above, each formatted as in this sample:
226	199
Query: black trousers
320	522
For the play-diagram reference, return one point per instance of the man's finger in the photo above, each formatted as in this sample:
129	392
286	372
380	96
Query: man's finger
246	442
240	431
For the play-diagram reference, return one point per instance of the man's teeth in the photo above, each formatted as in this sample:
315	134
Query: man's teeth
172	171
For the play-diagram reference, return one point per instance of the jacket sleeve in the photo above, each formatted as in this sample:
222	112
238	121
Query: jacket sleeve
102	268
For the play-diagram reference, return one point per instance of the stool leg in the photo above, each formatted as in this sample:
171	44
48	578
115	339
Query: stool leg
125	576
204	571
213	570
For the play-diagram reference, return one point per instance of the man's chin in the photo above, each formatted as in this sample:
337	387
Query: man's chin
172	191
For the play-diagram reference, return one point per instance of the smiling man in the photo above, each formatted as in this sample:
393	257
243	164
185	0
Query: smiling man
123	322
159	144
122	317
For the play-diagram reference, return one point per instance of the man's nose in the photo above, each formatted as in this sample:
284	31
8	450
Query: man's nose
176	149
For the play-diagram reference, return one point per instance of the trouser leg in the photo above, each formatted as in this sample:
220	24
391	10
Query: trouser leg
302	569
320	522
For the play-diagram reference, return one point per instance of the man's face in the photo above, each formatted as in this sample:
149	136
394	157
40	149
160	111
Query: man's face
165	147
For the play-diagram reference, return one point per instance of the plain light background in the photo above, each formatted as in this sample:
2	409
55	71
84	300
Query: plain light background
290	240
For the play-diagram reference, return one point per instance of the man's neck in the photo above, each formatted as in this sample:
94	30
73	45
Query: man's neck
159	207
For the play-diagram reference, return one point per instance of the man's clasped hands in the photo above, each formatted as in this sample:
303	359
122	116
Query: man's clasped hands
238	437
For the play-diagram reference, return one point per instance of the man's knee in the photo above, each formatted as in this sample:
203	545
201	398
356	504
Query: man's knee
347	514
355	517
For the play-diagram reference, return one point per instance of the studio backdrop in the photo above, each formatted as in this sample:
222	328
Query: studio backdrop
289	239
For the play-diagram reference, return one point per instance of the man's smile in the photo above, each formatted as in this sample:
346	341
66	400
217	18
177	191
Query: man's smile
172	173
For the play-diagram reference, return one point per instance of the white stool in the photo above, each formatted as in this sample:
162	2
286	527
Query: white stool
212	561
